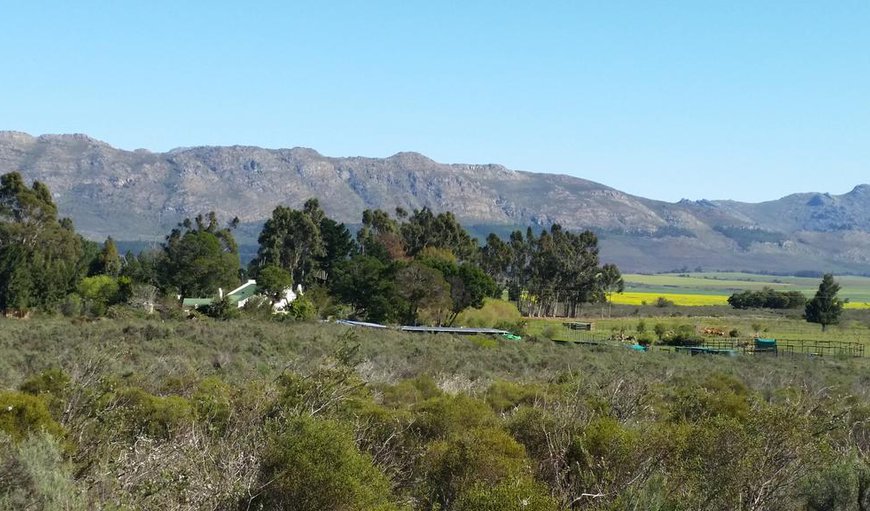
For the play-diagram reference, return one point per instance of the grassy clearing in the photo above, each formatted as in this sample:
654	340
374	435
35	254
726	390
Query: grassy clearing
854	325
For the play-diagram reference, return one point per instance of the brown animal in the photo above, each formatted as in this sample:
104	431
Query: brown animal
714	331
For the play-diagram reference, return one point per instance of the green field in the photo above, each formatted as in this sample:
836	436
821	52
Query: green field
854	327
855	289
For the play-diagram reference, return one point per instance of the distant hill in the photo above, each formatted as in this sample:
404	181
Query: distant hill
140	195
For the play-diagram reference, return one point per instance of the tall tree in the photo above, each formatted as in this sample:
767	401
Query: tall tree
338	245
366	284
199	257
825	308
540	271
611	282
495	259
424	229
380	236
422	288
291	239
108	261
469	284
41	257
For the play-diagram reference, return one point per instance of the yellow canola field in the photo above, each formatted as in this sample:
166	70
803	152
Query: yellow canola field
635	298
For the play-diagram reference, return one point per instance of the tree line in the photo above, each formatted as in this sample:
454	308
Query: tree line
409	266
767	298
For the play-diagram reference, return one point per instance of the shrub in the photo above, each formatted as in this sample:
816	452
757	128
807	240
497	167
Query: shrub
445	415
645	339
474	456
551	332
520	327
101	291
303	309
493	314
222	309
257	307
606	455
157	417
641	327
71	306
411	391
719	395
314	465
663	302
684	335
211	403
34	475
521	494
51	385
484	341
504	395
22	414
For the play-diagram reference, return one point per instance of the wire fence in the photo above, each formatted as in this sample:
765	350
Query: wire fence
737	346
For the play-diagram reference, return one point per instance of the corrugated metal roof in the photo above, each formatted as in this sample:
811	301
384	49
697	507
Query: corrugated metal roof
430	329
242	293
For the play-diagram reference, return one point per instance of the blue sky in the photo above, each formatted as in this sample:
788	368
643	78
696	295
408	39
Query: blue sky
734	99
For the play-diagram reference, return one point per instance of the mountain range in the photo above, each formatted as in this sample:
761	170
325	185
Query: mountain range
141	195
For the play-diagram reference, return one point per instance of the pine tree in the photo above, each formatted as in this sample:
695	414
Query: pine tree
109	260
825	308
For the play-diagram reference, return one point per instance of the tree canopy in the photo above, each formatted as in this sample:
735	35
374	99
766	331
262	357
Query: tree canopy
825	307
41	257
199	257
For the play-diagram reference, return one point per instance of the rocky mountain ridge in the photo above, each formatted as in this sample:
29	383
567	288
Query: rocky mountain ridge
140	195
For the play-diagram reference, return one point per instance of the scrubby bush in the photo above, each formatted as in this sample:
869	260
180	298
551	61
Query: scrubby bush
24	414
444	415
493	314
683	335
35	475
222	309
52	385
522	494
257	307
71	306
457	463
660	329
663	302
154	416
212	403
303	309
313	464
504	395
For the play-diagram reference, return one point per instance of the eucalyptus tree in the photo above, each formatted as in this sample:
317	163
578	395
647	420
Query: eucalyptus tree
41	257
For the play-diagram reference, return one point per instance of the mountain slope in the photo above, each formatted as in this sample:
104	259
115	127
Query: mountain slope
141	195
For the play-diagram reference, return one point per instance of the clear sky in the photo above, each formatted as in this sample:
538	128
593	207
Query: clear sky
748	100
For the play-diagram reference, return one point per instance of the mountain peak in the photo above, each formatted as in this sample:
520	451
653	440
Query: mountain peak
16	136
72	138
411	158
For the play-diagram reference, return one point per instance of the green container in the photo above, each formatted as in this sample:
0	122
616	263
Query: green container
765	344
